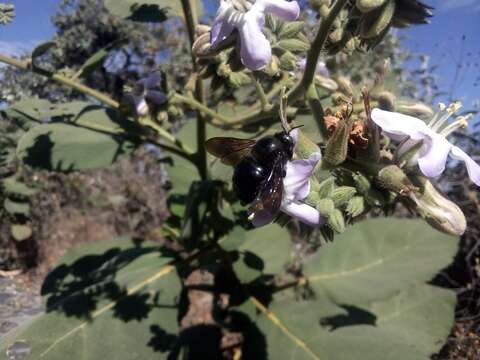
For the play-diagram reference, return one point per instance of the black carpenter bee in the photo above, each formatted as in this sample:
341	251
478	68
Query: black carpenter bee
259	168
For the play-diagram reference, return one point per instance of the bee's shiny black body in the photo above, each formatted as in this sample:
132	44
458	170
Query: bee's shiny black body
252	172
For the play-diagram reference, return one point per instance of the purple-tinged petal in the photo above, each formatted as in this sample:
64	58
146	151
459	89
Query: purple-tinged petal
433	155
397	124
156	97
303	212
472	167
296	183
220	31
220	28
286	10
152	81
255	50
141	107
294	135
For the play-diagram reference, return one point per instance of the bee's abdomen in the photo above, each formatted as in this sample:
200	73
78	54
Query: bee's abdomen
247	178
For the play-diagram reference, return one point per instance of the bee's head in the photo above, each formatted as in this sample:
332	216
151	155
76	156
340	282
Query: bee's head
287	142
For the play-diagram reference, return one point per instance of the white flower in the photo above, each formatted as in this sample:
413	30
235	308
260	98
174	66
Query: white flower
255	50
296	187
434	148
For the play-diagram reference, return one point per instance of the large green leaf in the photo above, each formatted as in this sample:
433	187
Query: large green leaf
113	300
377	258
265	251
369	299
148	10
95	137
411	325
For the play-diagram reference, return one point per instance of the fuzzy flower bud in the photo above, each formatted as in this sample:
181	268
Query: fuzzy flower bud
438	211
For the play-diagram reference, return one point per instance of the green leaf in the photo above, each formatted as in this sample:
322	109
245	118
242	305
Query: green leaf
120	292
40	50
92	63
16	208
96	137
411	325
21	232
266	250
148	10
377	258
15	187
370	299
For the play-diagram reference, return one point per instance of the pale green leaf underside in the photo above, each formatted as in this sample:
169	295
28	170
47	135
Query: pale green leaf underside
131	326
376	258
409	326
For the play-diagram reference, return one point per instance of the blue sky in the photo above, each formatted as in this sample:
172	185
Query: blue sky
442	39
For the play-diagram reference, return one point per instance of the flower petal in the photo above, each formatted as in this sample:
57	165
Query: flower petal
221	28
141	107
296	183
255	50
152	81
303	212
396	124
472	167
286	10
156	97
433	155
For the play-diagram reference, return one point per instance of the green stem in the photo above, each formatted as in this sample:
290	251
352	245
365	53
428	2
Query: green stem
313	54
201	156
63	80
260	92
194	104
317	110
181	149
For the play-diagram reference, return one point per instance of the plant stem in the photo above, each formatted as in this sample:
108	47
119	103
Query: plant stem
194	104
313	54
201	156
63	80
260	92
181	149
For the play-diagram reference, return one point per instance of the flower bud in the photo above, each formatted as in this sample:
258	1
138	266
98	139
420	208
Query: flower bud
394	179
337	145
336	221
368	5
325	207
344	85
355	206
438	211
342	195
417	110
375	22
386	101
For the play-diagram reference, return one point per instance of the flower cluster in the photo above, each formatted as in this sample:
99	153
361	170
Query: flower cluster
248	19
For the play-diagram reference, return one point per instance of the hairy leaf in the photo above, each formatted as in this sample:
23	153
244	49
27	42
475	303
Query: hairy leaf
120	292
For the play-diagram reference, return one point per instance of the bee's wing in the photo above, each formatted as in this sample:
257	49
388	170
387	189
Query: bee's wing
229	150
266	206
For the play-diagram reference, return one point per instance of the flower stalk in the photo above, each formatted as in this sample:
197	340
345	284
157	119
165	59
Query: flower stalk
314	53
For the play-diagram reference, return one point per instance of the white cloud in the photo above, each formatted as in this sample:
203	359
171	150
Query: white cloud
446	5
17	48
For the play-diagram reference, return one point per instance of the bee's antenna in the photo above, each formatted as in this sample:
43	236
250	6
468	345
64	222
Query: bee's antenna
283	111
